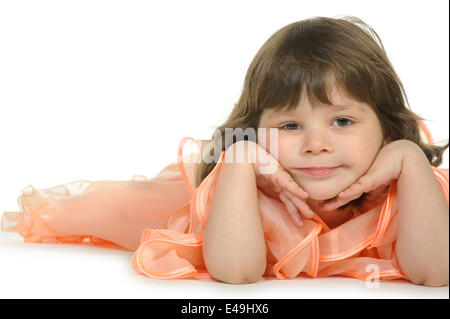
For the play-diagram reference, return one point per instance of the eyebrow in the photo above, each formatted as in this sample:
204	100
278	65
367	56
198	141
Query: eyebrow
333	108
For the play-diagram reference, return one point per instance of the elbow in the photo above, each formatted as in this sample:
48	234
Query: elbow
238	278
235	268
431	279
236	275
431	282
437	276
255	276
435	283
437	280
431	274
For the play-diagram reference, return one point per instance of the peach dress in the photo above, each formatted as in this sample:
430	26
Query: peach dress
162	220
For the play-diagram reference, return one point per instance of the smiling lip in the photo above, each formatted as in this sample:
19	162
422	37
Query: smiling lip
318	171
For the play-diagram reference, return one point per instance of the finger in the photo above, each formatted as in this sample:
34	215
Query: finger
302	206
291	209
288	182
378	192
275	183
363	185
338	202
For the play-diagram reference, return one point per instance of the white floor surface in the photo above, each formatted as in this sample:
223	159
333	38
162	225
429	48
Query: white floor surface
36	270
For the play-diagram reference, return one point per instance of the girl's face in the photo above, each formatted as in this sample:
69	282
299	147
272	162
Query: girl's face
346	135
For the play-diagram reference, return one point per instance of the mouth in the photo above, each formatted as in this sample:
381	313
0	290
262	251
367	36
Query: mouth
317	171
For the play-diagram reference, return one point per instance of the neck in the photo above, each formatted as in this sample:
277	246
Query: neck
332	218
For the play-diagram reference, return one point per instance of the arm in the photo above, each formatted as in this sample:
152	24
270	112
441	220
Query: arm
423	235
233	244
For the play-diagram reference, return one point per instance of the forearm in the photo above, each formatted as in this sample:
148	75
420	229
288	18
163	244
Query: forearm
233	244
423	235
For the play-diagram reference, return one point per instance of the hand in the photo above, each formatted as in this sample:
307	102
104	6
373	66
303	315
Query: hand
386	167
278	183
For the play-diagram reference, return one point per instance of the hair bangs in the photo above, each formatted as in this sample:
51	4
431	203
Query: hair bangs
288	82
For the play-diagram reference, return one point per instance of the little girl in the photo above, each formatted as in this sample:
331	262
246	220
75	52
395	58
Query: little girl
356	191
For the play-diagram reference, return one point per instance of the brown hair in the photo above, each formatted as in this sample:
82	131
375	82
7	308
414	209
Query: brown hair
309	54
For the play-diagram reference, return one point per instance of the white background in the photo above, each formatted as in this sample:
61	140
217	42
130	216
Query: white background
103	90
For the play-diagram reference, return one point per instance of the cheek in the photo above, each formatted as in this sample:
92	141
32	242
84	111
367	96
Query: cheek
285	148
279	149
364	152
264	137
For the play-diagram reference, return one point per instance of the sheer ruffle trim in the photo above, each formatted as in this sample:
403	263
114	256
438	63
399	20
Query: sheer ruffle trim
35	209
169	254
316	251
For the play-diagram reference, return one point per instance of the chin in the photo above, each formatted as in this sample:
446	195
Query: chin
322	196
325	189
321	193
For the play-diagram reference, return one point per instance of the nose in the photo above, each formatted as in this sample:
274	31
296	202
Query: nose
316	143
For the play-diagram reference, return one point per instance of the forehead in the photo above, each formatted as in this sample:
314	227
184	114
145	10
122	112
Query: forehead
275	115
340	101
350	106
